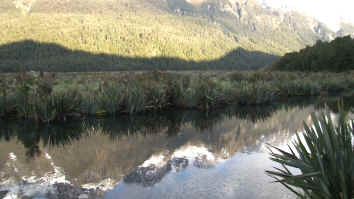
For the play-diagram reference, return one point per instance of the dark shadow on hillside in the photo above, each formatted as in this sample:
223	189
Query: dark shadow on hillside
52	57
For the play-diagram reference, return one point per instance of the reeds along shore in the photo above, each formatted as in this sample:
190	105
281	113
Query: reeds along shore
47	97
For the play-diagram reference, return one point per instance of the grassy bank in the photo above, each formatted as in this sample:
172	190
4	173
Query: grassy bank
61	96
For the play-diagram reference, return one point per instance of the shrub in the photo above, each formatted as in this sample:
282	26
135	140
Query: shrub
324	157
110	97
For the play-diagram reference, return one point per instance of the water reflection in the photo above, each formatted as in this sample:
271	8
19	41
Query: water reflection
160	154
31	135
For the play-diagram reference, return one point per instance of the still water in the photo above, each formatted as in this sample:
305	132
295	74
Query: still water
184	154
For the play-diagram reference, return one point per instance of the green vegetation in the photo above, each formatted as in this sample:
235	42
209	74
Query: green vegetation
46	97
54	58
69	38
336	56
86	35
324	157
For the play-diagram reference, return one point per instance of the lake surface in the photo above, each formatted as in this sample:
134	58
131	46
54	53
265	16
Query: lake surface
179	154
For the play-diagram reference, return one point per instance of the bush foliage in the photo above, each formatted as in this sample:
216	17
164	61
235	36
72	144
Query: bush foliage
335	56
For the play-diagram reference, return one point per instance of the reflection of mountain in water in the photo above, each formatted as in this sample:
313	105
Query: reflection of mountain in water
157	166
208	148
86	151
145	149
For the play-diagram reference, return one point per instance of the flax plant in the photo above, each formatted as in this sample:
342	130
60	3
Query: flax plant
324	157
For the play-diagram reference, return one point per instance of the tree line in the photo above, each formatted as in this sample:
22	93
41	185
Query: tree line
334	56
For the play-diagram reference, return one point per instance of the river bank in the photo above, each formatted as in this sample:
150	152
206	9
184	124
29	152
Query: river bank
48	97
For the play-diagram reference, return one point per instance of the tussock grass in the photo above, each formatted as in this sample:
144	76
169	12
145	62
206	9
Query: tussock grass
46	97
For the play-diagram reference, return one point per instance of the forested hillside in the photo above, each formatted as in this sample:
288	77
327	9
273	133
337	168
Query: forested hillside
103	35
336	56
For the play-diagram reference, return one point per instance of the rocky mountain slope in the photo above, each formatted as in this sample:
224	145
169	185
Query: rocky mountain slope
346	29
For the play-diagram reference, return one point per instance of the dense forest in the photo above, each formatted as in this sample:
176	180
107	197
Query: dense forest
334	56
40	56
88	35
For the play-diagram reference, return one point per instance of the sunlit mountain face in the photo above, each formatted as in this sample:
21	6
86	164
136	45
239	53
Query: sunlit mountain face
181	155
102	35
333	14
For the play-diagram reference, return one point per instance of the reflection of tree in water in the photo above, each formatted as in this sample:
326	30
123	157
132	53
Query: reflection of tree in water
334	103
30	135
32	147
29	140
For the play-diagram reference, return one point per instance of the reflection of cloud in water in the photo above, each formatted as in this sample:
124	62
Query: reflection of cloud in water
193	152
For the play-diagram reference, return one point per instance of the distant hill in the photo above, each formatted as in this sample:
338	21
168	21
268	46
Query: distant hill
195	31
335	56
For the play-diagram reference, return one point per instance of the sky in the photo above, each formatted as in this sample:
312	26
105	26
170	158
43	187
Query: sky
330	12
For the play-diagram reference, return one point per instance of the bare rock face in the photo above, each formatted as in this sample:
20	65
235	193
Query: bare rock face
346	29
254	16
203	163
58	191
150	175
67	191
178	163
147	176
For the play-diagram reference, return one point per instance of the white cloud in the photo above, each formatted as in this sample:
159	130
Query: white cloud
329	12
